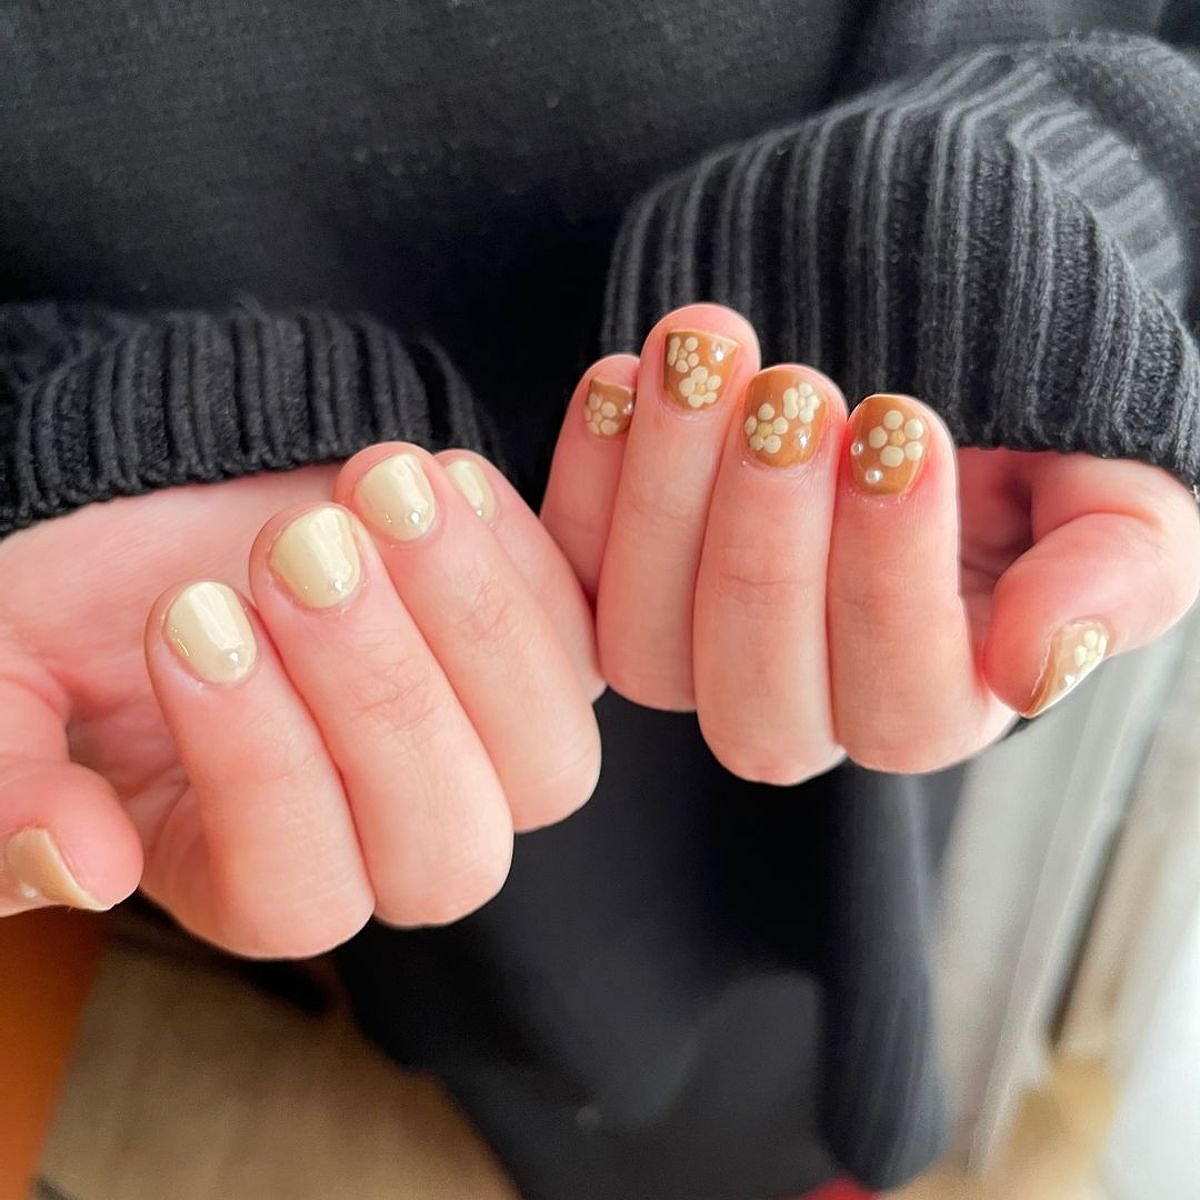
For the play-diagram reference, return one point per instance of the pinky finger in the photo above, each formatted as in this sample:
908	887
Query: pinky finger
1115	563
582	488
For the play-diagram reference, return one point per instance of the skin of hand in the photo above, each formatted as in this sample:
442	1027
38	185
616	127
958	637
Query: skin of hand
817	585
351	720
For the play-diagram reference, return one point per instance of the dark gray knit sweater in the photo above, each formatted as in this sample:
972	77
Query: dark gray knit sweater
237	237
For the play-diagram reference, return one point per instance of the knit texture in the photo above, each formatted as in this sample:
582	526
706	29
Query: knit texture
1009	237
95	404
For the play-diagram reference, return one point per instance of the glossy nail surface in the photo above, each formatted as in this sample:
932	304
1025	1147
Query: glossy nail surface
697	366
1076	651
784	415
888	441
207	626
608	408
316	557
473	484
396	499
32	867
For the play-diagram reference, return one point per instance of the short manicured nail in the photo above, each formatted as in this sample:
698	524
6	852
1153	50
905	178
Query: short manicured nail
317	558
33	868
784	416
697	367
473	484
396	498
608	408
888	441
208	628
1075	652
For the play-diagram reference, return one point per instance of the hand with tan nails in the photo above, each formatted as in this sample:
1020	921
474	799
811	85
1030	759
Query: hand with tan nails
816	584
345	715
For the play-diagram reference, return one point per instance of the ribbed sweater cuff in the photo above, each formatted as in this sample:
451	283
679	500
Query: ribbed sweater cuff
95	404
1012	237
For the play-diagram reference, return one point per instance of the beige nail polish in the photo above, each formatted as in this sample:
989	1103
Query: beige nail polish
784	415
697	366
316	557
889	438
473	484
608	408
1075	652
32	866
396	498
208	628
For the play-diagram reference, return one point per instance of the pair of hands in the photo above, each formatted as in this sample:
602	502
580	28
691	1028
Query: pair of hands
408	674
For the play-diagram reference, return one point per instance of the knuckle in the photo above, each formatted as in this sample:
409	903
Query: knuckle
388	696
565	780
773	763
453	890
492	614
756	580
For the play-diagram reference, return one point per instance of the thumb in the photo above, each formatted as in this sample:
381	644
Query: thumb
64	839
1115	562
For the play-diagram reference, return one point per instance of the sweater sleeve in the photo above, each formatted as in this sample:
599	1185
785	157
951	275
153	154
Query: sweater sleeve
1012	236
96	404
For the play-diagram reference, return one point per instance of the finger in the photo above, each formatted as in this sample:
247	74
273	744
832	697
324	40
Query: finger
578	505
908	693
261	855
540	562
496	644
1115	562
64	839
431	817
761	659
693	361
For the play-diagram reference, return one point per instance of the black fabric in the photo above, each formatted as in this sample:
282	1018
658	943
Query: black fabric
695	989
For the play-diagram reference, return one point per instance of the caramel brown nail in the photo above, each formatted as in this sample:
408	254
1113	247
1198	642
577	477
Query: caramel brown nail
1076	651
784	416
888	441
697	367
608	408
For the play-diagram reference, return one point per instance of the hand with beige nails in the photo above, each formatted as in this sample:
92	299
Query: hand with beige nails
345	716
817	584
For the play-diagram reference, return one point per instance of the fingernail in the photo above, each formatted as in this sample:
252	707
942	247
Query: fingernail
317	558
785	414
608	408
34	869
396	497
888	441
1075	652
473	484
208	628
697	367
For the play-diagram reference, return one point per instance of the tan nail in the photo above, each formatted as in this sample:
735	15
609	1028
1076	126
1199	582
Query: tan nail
1075	652
396	498
317	558
473	484
784	416
33	868
608	408
208	628
697	367
889	439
